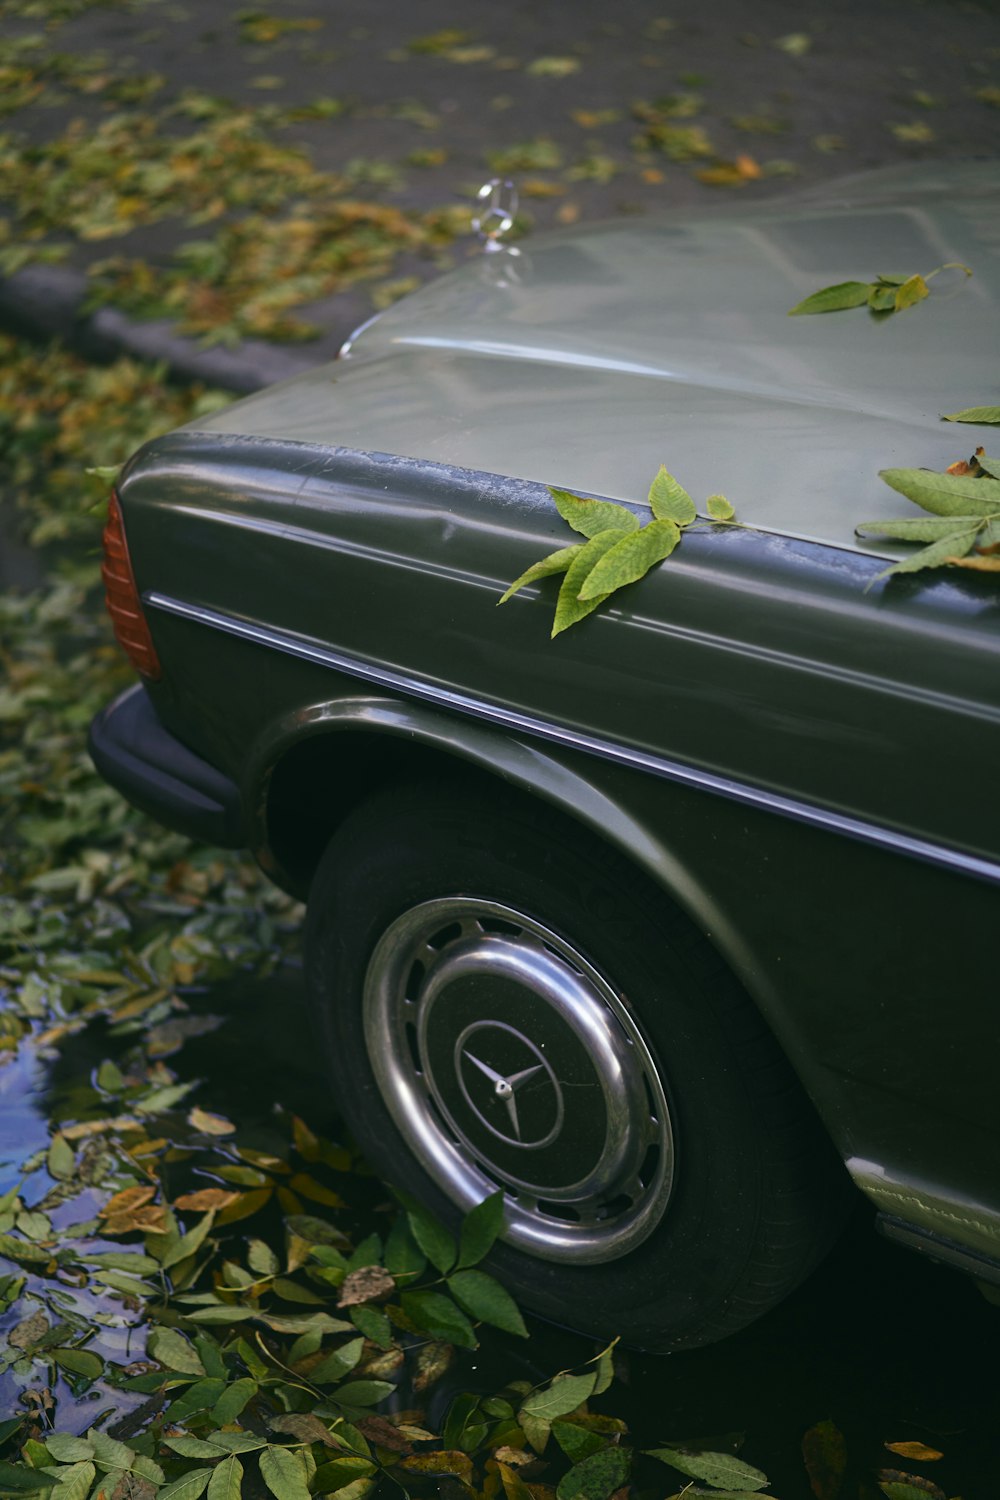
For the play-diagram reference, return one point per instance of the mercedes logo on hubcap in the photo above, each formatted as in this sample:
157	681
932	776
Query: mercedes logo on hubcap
492	1089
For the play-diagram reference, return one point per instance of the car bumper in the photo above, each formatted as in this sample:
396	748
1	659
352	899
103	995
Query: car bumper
156	773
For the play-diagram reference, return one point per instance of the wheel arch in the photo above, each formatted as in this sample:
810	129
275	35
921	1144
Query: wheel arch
300	792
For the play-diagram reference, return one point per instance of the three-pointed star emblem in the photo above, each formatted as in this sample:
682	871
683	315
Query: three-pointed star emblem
505	1087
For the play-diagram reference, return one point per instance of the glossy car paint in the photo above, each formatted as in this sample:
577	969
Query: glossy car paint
592	357
803	765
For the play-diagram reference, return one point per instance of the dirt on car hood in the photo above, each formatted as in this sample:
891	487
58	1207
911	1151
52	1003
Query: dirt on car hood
590	357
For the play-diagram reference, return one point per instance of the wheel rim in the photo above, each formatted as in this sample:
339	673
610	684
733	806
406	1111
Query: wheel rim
507	1060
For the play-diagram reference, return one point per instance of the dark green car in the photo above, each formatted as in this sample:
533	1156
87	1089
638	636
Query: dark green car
679	925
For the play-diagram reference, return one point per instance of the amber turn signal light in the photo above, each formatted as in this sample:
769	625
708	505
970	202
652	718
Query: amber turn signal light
122	597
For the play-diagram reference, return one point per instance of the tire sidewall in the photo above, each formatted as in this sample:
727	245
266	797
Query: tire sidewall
401	851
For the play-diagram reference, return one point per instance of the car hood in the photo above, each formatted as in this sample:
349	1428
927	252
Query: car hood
588	358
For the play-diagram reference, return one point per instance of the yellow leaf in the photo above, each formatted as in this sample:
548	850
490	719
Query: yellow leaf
264	1160
209	1124
126	1202
149	1219
147	1147
205	1199
513	1485
919	1451
133	1008
553	67
916	133
98	1127
298	1251
245	1205
308	1187
731	173
911	292
537	187
452	1462
306	1140
796	43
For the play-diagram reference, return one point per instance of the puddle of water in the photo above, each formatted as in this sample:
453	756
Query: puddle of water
888	1346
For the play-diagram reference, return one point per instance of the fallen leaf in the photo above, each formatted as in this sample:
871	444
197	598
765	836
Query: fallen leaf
27	1333
209	1124
206	1199
150	1218
896	1484
796	43
369	1284
553	67
914	290
912	133
918	1451
305	1427
434	1359
735	173
986	415
824	1453
127	1201
446	1462
384	1433
244	1205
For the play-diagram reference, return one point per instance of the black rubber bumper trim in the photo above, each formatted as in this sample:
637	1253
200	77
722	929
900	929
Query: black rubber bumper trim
156	773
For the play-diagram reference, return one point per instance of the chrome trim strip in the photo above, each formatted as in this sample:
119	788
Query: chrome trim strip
676	771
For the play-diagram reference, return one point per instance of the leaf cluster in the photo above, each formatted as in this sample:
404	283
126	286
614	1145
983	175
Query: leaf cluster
963	527
618	550
889	293
274	231
272	1356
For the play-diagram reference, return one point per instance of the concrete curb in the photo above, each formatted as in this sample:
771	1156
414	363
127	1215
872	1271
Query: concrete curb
46	302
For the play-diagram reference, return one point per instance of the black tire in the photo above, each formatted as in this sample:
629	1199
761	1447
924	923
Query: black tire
756	1194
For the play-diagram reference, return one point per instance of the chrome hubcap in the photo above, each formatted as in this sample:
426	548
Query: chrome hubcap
507	1060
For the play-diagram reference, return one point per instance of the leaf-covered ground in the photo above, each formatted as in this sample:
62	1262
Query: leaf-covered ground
196	1298
278	172
203	1294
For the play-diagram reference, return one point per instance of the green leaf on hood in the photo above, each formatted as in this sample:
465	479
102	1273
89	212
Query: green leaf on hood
934	556
631	559
556	562
912	291
719	508
834	298
945	494
570	608
591	517
986	415
669	500
917	529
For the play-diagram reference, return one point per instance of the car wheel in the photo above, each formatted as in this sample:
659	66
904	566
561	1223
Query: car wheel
506	1002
